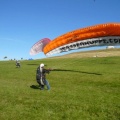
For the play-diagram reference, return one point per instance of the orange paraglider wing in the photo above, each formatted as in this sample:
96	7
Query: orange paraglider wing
97	35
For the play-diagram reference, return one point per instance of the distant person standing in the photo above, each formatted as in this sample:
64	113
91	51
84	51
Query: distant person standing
17	63
41	77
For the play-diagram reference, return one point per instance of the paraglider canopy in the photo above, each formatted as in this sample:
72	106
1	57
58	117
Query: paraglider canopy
38	46
97	35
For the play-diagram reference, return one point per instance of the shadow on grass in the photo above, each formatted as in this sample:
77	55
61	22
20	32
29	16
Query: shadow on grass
77	71
35	86
32	64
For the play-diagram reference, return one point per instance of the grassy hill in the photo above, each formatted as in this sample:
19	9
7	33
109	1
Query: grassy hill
82	88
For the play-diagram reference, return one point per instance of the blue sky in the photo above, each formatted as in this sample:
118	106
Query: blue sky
24	22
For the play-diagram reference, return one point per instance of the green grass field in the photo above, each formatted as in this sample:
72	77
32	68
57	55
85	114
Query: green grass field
81	89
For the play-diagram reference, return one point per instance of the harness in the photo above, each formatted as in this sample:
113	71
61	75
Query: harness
40	75
41	78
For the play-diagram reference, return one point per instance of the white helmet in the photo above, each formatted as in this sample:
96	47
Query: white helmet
41	65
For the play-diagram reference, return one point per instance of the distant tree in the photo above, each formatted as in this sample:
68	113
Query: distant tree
5	57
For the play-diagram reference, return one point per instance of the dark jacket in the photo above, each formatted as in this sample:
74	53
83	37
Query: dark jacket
41	75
